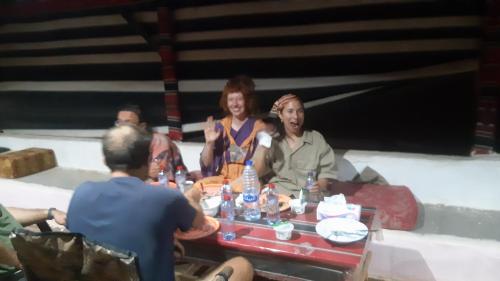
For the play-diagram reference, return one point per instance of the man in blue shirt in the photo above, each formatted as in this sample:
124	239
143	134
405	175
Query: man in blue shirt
129	214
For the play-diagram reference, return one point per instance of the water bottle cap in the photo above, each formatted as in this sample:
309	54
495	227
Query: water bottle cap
162	167
225	181
227	197
249	163
179	167
271	186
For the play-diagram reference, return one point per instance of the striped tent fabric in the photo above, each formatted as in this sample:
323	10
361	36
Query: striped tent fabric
382	74
390	75
486	140
73	71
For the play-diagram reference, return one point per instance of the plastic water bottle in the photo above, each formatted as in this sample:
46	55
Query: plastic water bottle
180	178
309	184
251	191
314	197
272	205
226	189
162	176
227	215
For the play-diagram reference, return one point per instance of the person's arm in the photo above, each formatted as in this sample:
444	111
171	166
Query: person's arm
32	216
259	160
207	154
325	186
326	168
211	135
261	153
194	196
8	257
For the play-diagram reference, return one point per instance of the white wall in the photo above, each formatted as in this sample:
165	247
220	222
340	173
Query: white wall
434	179
75	153
86	153
15	193
191	154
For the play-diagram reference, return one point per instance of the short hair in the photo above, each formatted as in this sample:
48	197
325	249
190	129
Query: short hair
133	108
126	147
246	86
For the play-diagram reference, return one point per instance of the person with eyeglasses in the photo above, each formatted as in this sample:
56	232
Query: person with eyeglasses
163	152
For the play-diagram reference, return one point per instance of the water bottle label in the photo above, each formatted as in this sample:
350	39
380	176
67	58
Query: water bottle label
250	198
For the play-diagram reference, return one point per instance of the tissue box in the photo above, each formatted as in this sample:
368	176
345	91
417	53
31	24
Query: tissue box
328	210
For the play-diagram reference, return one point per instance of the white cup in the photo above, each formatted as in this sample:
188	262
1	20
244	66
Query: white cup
297	206
284	231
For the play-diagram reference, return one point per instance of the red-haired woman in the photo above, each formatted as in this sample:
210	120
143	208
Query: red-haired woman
233	140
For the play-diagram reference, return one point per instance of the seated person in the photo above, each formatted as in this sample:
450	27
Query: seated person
131	215
297	151
12	218
232	141
163	151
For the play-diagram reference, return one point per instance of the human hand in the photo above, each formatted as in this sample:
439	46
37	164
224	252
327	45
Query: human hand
194	194
204	226
59	217
209	129
154	169
264	139
314	189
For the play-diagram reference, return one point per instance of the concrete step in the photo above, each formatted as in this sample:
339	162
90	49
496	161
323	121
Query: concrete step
406	256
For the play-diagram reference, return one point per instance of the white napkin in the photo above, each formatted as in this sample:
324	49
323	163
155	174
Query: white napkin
336	206
338	200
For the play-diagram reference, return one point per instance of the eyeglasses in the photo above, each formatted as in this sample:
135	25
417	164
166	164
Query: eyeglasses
122	122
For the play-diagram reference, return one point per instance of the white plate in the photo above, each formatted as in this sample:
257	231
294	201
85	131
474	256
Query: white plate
341	230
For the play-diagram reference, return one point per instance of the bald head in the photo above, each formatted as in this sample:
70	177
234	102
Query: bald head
126	147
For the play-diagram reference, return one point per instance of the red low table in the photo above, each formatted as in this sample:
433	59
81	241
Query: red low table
307	256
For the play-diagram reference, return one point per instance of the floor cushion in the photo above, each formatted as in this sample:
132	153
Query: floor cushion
25	162
397	207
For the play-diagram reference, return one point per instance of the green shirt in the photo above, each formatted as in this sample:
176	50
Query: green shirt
290	168
7	225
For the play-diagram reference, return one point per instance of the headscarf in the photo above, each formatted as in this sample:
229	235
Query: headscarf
280	103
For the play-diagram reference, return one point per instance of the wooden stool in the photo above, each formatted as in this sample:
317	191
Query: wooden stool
25	162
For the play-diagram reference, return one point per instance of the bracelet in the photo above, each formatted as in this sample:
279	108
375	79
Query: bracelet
50	215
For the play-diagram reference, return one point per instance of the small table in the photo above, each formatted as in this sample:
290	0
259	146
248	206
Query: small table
307	256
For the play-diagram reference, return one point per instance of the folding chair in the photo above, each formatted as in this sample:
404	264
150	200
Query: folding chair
62	256
106	263
49	256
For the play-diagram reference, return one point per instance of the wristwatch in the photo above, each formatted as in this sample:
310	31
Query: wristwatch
50	215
